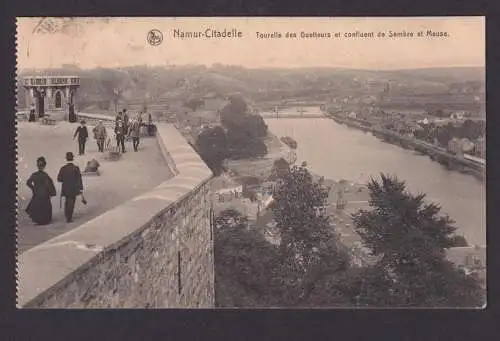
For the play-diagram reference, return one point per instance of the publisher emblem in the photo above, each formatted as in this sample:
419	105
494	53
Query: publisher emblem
155	37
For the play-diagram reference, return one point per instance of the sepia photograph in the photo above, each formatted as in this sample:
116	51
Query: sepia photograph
330	163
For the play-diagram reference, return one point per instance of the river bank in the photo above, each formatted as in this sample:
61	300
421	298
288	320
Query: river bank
447	160
262	167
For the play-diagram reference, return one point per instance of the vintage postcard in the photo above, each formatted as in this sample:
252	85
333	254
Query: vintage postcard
251	162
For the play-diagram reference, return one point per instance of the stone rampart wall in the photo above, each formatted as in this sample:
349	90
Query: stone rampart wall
154	251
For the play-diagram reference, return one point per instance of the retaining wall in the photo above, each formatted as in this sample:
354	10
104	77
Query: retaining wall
154	251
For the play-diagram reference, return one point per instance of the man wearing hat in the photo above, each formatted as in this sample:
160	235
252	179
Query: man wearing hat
72	185
83	135
100	135
125	120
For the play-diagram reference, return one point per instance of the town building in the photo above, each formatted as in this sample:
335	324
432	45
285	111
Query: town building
471	259
424	121
460	146
225	189
352	115
208	113
458	115
50	93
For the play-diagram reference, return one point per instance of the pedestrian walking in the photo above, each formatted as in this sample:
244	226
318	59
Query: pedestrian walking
134	132
150	125
100	135
72	185
125	120
71	113
32	115
83	135
119	117
120	135
40	206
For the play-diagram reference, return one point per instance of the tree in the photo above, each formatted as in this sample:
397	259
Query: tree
357	286
308	249
211	144
242	144
445	134
236	107
114	84
472	130
280	168
459	241
243	261
244	131
409	239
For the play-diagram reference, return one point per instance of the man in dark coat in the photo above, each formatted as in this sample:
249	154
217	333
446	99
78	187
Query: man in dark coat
134	132
120	135
71	113
83	135
72	185
40	207
125	120
100	135
150	125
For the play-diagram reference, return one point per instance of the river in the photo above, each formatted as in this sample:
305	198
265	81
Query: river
338	152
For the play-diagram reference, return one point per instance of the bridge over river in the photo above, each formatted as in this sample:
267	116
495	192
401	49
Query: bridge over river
303	112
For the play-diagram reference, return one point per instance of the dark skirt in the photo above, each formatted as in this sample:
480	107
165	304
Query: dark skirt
40	210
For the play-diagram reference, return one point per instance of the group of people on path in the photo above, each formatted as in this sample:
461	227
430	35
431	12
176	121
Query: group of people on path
39	208
129	127
123	127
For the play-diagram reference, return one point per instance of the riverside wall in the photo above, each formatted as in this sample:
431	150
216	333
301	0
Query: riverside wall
154	251
451	161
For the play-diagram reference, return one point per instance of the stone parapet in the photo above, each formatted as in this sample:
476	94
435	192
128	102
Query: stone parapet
154	251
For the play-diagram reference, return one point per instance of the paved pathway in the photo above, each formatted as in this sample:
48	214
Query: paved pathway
119	181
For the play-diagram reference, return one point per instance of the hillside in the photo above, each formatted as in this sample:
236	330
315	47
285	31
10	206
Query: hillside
141	84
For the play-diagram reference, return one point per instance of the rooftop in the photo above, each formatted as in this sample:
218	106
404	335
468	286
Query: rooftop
50	80
472	257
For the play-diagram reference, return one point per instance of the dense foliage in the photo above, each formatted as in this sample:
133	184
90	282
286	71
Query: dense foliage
242	136
243	261
409	238
309	246
406	236
308	253
469	129
211	144
245	132
280	168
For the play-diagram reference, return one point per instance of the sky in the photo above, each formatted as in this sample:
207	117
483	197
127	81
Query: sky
121	42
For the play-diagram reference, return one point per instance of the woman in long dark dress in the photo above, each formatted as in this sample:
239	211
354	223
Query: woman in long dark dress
40	207
32	117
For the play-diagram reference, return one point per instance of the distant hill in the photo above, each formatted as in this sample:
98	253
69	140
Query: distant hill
157	84
458	74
